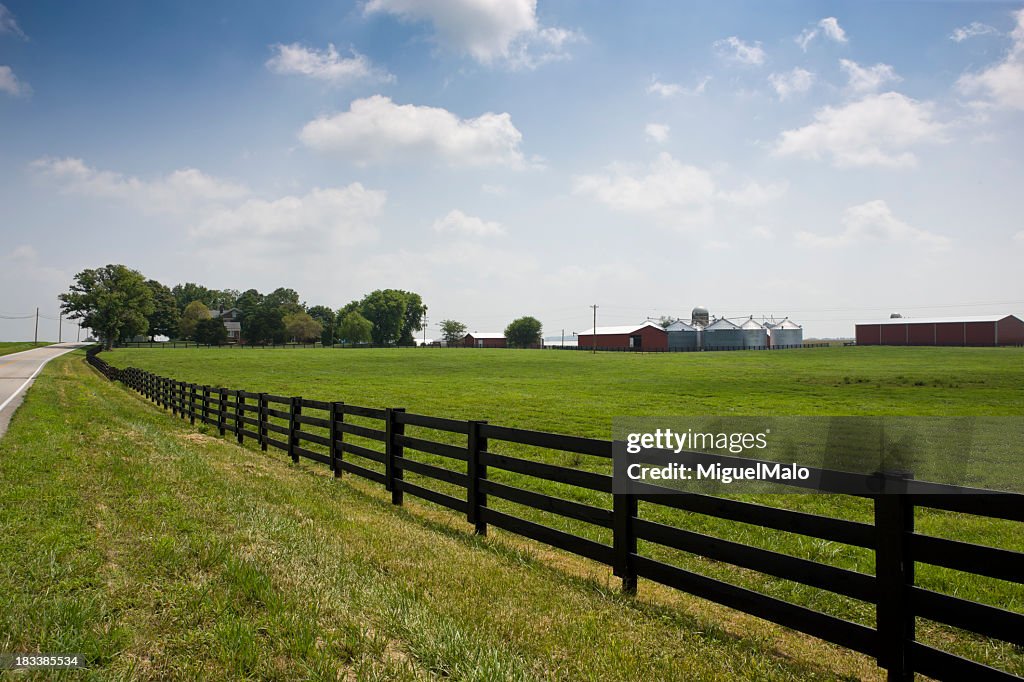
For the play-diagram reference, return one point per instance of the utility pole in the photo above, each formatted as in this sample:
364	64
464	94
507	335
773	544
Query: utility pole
35	341
424	330
595	328
78	337
563	340
60	326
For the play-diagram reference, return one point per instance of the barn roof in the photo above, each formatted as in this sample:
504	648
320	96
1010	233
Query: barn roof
486	335
942	320
624	329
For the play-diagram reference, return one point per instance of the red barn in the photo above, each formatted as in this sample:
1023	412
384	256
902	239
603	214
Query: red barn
647	336
974	330
484	340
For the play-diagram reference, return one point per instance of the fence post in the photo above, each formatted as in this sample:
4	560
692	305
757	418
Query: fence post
624	509
181	399
192	404
476	472
393	451
206	404
222	396
263	421
337	437
293	428
894	573
239	414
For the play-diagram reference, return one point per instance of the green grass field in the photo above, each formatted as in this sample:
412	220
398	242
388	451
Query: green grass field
579	393
8	347
162	553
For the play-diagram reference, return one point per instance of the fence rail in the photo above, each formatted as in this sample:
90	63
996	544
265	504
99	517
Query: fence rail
603	349
288	423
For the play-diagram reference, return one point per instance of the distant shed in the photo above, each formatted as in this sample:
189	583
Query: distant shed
646	336
484	340
972	330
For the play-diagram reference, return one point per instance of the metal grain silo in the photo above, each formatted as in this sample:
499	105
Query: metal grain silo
723	335
786	333
683	336
754	334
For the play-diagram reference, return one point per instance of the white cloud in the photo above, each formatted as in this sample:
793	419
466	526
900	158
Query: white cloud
877	130
667	90
1019	237
10	84
762	232
458	222
717	245
745	53
1002	84
657	132
829	26
971	30
755	194
864	79
488	30
494	190
376	129
23	265
179	191
796	81
873	223
325	65
9	25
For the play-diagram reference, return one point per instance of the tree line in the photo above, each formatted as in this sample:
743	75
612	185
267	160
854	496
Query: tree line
119	304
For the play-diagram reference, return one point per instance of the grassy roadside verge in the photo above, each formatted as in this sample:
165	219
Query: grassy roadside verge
8	347
161	553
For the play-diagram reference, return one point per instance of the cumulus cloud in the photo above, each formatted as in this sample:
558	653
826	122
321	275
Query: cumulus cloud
9	25
324	65
874	223
755	194
459	223
828	27
792	82
657	132
10	84
662	89
864	79
376	129
877	130
741	52
971	30
179	191
490	31
1002	84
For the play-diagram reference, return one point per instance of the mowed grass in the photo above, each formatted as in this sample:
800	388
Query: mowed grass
8	347
162	553
579	393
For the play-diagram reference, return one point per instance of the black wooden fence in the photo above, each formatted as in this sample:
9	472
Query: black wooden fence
296	425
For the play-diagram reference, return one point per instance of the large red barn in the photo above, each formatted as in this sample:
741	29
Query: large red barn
647	336
484	340
974	330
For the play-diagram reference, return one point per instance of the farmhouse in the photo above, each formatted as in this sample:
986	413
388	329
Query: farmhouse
647	336
232	319
484	340
973	330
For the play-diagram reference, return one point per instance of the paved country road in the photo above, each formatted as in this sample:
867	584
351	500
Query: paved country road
17	371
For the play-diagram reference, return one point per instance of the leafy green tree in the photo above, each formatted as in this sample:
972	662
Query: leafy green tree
325	316
265	324
523	332
354	328
113	300
302	327
452	331
286	300
666	321
163	321
412	321
190	291
385	309
211	330
248	300
193	313
225	299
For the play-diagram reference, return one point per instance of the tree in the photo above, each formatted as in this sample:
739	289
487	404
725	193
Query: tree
523	332
302	327
325	316
354	328
211	330
113	300
190	291
452	331
287	300
385	309
225	299
163	321
194	312
265	324
412	321
666	321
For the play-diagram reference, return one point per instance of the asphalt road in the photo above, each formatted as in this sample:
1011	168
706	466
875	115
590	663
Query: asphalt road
17	371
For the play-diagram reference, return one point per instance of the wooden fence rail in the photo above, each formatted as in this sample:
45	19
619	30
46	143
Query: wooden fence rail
294	425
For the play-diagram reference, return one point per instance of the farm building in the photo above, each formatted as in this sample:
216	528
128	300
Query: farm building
647	336
723	334
484	340
972	330
785	333
755	335
683	336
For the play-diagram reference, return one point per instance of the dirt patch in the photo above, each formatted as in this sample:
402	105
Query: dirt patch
199	438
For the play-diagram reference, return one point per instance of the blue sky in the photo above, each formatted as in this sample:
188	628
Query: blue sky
827	161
